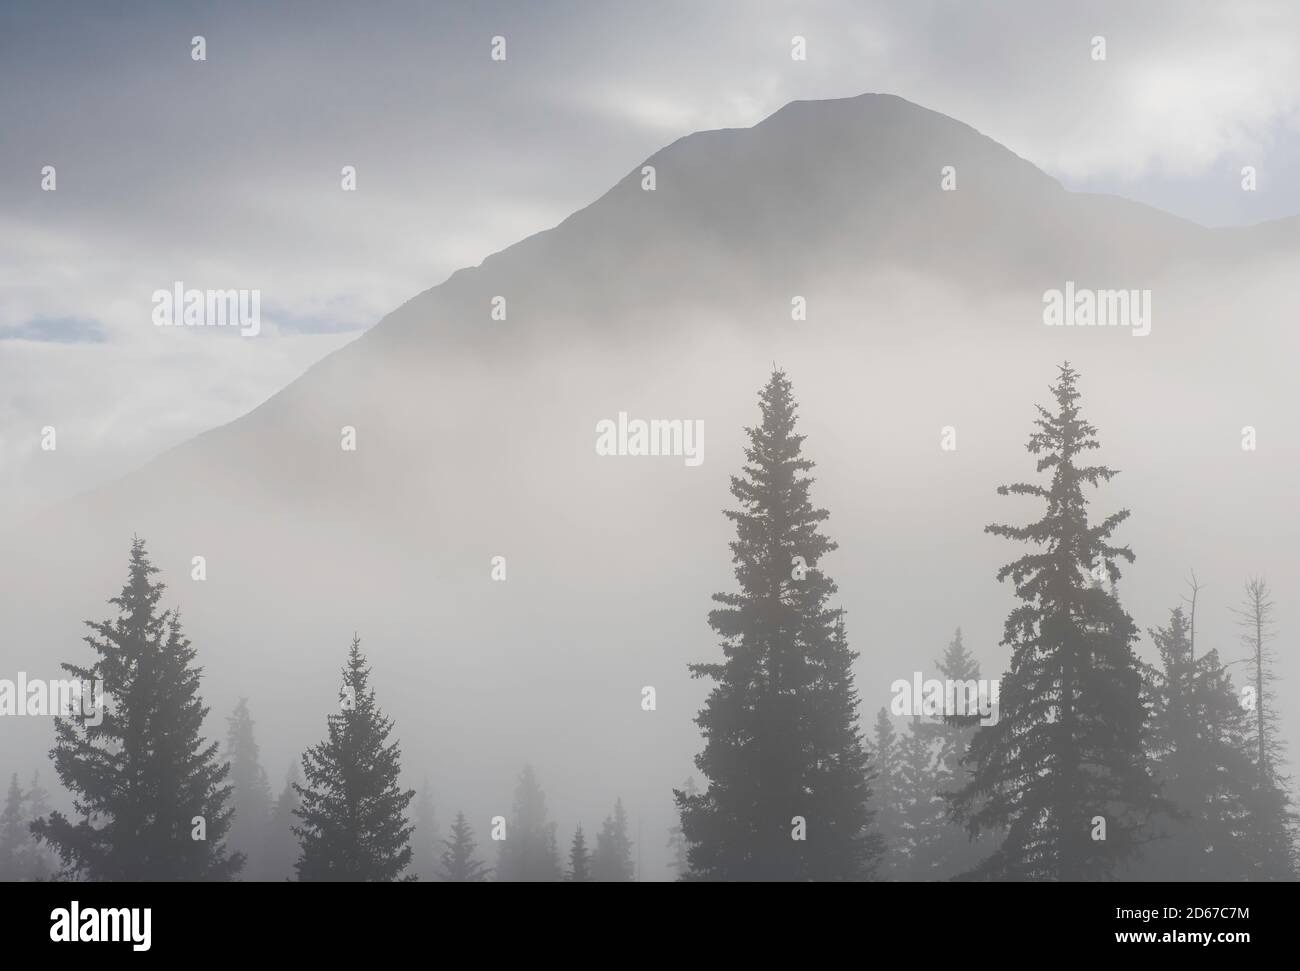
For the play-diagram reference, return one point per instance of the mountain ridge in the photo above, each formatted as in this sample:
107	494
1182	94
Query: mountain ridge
743	200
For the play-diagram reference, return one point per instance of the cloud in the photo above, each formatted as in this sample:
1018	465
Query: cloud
64	330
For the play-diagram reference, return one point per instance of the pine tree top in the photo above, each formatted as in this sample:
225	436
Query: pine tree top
1075	551
458	863
958	664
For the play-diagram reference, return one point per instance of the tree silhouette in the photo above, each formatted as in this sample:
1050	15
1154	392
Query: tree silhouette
782	751
150	793
280	851
251	791
1273	832
458	863
1198	740
612	861
579	859
528	854
1063	770
1255	617
889	799
353	811
933	770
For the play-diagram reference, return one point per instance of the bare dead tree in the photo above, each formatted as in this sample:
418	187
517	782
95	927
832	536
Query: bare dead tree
1191	602
1255	618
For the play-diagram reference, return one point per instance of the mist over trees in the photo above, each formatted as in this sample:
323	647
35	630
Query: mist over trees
13	833
1094	765
251	792
529	854
612	860
917	772
280	846
426	841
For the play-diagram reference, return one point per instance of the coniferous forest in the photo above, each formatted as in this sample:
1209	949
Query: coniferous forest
1108	748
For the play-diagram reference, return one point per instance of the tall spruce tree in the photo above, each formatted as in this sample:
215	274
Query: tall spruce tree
612	860
1199	743
353	810
251	798
528	854
781	737
458	862
150	794
579	859
1063	770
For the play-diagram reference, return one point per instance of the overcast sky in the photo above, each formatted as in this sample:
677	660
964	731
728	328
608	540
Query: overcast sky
226	173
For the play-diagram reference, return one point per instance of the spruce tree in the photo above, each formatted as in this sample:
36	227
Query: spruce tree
932	771
280	851
528	854
252	792
458	862
612	860
579	859
1063	770
917	770
959	666
889	799
781	740
1199	743
353	824
924	812
150	795
13	834
426	839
